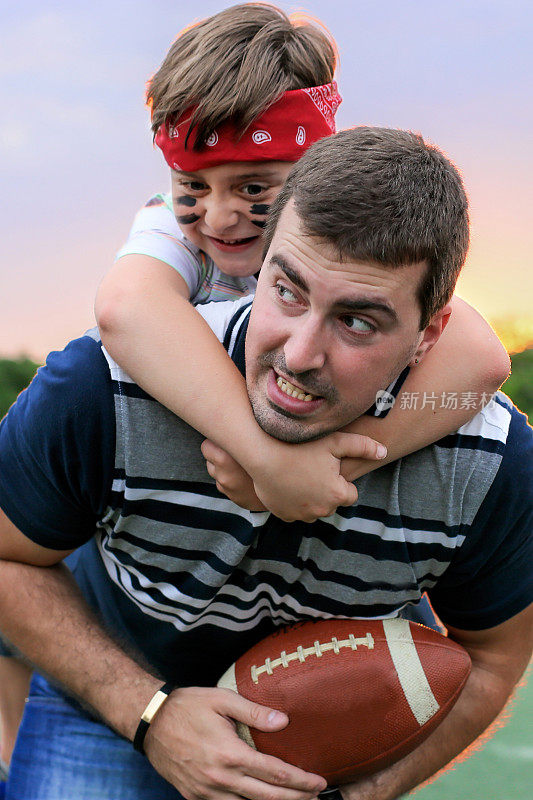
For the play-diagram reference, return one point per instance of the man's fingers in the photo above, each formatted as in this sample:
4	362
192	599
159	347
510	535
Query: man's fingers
276	772
194	745
266	790
252	714
354	445
261	769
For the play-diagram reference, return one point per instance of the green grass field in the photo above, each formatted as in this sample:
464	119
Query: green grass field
503	769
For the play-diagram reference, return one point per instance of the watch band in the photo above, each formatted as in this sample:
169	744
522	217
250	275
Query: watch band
148	715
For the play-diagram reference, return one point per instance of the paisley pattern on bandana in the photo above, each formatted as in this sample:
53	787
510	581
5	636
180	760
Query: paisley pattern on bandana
327	100
281	133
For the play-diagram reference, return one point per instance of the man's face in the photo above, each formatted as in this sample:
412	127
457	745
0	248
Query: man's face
324	336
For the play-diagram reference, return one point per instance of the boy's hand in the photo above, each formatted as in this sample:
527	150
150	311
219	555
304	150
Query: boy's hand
294	481
231	479
303	481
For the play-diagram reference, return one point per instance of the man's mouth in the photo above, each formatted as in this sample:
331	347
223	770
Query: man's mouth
291	400
294	391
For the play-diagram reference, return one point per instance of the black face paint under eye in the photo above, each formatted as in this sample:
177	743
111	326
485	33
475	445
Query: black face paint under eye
261	223
186	200
259	208
188	219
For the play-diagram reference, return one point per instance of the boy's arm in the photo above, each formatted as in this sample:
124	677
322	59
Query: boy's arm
453	381
150	328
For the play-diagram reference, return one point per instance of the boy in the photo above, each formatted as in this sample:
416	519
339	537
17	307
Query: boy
239	98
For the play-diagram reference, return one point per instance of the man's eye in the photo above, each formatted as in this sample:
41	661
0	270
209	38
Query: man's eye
253	189
285	293
357	324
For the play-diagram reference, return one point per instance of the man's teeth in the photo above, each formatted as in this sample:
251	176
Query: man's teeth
292	391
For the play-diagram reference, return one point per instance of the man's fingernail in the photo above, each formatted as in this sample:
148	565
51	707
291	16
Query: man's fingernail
276	716
382	451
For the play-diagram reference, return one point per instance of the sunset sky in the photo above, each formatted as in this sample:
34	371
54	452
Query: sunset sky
76	158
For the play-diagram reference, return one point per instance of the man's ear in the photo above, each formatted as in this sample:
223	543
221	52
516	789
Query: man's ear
431	334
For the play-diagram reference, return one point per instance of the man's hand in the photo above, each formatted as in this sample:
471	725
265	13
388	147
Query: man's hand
193	744
293	481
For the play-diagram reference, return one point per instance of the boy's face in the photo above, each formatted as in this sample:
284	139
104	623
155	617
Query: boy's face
222	210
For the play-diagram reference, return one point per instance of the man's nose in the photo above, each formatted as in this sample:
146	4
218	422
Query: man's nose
219	215
305	346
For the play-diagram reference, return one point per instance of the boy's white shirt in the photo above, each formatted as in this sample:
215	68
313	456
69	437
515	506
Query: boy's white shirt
156	233
219	315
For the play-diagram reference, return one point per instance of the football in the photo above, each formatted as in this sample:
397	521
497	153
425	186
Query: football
360	694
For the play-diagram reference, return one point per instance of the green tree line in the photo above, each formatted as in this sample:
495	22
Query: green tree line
519	386
16	374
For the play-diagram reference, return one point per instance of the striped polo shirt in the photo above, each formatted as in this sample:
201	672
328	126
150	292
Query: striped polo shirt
191	580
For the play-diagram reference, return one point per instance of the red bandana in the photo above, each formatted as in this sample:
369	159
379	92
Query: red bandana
282	133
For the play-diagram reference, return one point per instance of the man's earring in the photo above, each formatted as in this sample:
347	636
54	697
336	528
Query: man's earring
416	360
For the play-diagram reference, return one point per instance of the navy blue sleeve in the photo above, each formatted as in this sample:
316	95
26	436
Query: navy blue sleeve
491	578
57	446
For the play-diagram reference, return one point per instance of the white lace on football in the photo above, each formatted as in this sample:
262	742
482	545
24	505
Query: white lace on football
317	650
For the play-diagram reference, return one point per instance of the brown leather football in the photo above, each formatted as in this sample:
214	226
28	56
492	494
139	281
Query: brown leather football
360	694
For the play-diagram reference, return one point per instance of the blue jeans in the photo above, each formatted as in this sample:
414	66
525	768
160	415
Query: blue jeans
63	754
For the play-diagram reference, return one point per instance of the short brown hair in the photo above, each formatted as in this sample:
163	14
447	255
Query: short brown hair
385	196
236	63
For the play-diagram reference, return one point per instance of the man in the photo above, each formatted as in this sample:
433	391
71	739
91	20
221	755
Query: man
365	244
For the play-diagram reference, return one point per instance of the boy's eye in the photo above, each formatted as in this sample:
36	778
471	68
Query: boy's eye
193	186
357	324
196	186
253	189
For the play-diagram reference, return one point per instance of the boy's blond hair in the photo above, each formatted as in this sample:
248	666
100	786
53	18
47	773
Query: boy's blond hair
236	63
